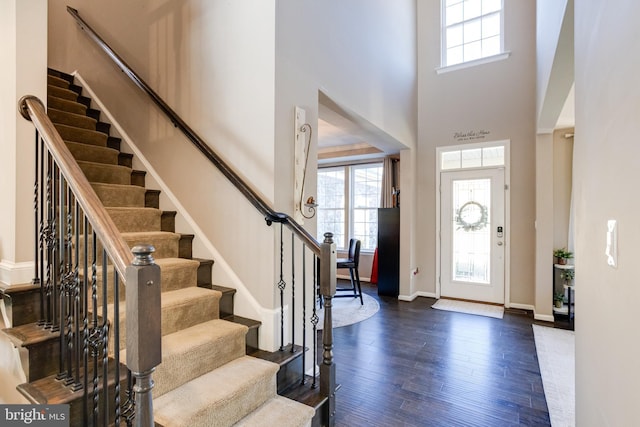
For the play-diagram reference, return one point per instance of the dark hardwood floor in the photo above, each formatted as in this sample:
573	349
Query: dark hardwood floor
410	365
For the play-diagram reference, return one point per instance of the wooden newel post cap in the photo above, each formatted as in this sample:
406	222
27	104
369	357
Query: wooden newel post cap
142	255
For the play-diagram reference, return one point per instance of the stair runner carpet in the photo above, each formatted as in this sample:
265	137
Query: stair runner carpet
205	378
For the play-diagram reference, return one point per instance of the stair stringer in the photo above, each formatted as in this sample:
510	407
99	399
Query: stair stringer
245	303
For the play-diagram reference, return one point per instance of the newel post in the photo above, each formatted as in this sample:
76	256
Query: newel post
327	291
143	329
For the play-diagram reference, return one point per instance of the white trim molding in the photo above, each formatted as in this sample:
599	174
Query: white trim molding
543	317
468	64
506	143
415	295
520	306
16	273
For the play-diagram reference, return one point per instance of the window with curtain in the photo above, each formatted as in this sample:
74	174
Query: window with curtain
348	199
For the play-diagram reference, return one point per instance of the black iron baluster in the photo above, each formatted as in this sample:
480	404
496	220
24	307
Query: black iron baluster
116	341
314	321
67	278
281	285
85	319
36	209
60	282
304	311
293	293
41	236
78	296
48	241
55	259
105	338
95	332
128	408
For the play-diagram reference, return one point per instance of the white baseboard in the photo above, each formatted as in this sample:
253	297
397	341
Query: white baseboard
415	295
521	306
543	317
16	273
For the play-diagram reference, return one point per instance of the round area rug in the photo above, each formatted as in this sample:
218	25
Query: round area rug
347	311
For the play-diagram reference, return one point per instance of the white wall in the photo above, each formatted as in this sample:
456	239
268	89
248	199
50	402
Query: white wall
23	42
213	62
498	97
562	183
362	55
606	187
554	59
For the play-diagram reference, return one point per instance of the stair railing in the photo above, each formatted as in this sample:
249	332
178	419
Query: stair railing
324	254
80	262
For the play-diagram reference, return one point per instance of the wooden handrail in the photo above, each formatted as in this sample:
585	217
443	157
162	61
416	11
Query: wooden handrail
33	109
250	194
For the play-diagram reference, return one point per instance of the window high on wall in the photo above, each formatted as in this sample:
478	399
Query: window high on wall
348	199
471	30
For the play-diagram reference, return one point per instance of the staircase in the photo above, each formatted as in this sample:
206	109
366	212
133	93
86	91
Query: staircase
206	377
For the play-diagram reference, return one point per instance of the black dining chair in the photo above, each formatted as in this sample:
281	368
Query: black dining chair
351	263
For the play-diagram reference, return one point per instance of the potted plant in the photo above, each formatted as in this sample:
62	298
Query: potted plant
558	299
568	276
562	255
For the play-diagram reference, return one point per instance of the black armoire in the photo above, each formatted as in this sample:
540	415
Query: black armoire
389	251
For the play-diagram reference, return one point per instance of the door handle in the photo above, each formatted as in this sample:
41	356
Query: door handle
499	243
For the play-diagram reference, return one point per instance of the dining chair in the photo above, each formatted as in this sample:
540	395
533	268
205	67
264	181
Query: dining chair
351	263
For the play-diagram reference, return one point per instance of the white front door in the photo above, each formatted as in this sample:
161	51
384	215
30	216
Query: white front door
473	234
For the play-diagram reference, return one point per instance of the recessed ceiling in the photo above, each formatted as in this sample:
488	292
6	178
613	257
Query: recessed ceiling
345	136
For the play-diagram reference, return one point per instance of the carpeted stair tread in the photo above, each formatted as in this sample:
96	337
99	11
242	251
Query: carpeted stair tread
178	273
117	195
63	93
279	411
71	119
85	136
219	398
175	273
194	351
110	174
57	81
93	153
135	219
66	105
180	309
166	243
